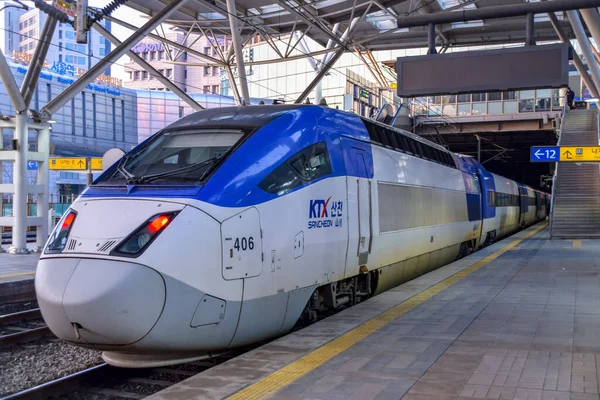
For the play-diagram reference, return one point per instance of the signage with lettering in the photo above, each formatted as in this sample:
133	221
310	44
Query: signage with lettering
68	70
144	47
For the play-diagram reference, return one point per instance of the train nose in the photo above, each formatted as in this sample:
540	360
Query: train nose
93	301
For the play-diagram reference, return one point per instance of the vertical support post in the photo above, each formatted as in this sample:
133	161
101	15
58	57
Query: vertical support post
19	232
530	30
592	20
237	47
43	144
90	174
583	41
319	92
478	148
431	38
10	84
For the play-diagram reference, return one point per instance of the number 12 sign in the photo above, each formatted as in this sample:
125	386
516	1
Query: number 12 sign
545	154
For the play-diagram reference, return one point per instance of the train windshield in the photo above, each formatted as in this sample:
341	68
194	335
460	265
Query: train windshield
180	157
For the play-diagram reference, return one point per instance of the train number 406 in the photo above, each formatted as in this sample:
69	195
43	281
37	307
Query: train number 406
244	243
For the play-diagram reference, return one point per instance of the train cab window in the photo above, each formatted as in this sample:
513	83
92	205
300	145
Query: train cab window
306	165
175	157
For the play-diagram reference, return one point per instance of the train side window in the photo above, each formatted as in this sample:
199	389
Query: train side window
306	165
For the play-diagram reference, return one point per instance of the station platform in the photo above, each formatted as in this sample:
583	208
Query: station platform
16	276
517	320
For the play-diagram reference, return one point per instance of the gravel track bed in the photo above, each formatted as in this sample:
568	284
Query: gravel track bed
25	366
11	308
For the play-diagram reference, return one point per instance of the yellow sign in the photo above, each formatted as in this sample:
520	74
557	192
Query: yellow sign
73	164
96	163
394	85
580	153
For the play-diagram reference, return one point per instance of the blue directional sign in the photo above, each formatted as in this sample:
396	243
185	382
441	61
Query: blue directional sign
32	165
545	154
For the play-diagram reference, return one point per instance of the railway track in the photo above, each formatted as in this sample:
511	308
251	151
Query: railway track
106	382
22	327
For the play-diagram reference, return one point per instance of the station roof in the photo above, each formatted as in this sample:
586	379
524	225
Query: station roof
376	31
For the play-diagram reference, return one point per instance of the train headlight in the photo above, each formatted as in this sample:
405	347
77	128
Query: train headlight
58	240
135	243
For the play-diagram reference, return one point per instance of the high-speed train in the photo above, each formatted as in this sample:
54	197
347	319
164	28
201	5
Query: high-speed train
232	225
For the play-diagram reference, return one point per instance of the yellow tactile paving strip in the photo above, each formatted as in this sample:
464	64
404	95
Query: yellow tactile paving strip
294	371
15	274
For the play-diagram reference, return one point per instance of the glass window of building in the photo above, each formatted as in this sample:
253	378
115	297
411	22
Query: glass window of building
60	47
512	95
207	50
215	89
162	71
206	88
215	71
478	97
161	55
81	48
60	59
60	34
180	112
81	60
152	55
494	96
136	76
102	52
206	71
144	75
70	46
70	34
145	55
130	74
151	77
464	98
69	59
169	72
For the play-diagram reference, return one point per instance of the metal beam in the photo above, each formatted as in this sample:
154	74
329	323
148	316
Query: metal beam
345	37
114	55
585	45
151	70
576	60
592	20
170	42
312	23
37	60
237	48
324	70
431	39
506	11
236	92
11	85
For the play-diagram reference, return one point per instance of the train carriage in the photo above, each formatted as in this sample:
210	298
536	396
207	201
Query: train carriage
233	225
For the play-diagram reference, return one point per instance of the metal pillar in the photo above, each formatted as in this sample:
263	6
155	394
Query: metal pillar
151	70
237	48
343	39
431	39
585	46
478	148
576	60
530	30
11	85
43	144
90	174
330	42
592	20
37	60
19	231
236	92
114	55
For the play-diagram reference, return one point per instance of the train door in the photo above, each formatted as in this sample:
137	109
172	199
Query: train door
363	191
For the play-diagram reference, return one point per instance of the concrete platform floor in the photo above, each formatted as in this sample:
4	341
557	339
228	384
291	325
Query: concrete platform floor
17	267
517	320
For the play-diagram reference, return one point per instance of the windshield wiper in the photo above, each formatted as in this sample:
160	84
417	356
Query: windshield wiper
150	178
121	167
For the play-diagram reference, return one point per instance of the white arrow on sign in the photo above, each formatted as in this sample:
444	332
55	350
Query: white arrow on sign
538	155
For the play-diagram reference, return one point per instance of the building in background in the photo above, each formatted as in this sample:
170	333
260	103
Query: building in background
64	47
202	78
9	22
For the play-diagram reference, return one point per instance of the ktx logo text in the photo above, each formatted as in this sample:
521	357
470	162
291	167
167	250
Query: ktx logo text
325	213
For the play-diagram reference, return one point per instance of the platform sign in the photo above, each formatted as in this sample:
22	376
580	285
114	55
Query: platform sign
32	165
68	164
580	153
96	163
545	154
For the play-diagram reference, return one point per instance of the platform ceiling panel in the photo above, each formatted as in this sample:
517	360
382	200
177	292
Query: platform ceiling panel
376	29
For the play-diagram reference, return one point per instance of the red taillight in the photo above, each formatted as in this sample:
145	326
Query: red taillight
58	240
158	223
68	221
135	243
